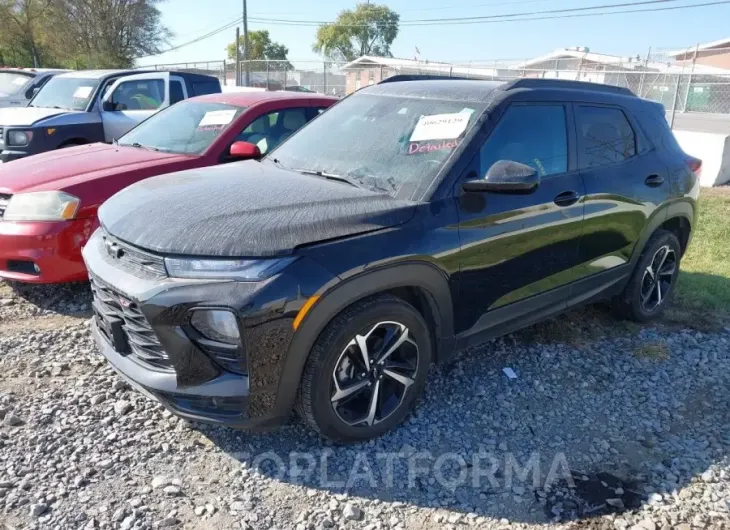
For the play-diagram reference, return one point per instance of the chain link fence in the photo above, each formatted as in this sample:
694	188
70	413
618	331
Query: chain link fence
685	82
224	71
681	86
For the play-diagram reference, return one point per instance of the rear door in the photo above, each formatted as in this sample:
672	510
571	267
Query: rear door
517	246
131	100
625	182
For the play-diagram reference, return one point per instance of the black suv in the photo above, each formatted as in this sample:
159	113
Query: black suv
412	219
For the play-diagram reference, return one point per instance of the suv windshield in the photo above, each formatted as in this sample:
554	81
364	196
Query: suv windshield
70	93
385	143
12	82
188	127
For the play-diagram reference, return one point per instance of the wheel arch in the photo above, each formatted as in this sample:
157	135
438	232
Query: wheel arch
421	284
72	141
677	222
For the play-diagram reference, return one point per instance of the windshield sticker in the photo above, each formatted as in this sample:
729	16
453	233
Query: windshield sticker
83	92
440	127
217	117
429	147
20	80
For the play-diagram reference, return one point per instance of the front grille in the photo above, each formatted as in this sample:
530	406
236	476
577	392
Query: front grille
124	325
132	258
4	201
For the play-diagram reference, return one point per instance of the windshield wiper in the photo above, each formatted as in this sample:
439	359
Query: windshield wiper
149	148
329	176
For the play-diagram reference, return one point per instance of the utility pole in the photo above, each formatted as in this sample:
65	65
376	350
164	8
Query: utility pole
245	45
238	57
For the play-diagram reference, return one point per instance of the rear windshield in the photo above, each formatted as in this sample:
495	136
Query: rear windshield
387	143
188	127
13	82
71	93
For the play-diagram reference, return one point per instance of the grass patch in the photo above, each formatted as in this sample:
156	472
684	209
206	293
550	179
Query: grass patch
656	351
702	296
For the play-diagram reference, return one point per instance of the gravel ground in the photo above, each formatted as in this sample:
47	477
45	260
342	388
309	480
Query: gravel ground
627	431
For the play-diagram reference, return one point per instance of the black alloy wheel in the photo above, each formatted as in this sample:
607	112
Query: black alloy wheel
366	370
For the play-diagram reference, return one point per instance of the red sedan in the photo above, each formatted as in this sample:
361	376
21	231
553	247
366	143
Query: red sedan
48	202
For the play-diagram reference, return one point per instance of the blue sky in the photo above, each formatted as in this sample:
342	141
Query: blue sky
622	34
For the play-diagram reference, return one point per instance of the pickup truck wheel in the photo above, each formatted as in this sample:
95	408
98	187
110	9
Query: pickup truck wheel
366	370
652	282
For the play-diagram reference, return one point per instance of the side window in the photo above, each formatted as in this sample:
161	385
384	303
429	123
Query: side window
201	88
605	136
534	135
139	95
176	91
268	130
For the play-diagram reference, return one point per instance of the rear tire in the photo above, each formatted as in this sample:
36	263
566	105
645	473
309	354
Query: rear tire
397	354
646	295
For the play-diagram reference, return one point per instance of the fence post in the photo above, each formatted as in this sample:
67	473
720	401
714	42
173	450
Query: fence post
238	56
643	72
674	104
689	81
268	76
225	72
324	76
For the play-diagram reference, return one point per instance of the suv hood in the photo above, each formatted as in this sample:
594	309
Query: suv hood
244	209
27	116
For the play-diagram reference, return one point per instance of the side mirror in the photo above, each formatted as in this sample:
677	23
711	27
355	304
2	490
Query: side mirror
108	106
506	176
245	150
31	92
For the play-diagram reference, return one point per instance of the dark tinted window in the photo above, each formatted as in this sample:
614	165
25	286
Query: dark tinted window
200	88
176	92
534	135
605	136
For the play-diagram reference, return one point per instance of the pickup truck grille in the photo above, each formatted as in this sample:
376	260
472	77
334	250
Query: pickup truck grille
4	200
132	258
126	328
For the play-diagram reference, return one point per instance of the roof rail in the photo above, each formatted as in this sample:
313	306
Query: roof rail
419	77
527	82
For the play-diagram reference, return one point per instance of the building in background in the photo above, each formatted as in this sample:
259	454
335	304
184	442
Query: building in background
715	54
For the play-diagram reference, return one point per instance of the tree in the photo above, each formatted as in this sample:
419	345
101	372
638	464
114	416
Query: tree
22	32
110	33
368	30
261	48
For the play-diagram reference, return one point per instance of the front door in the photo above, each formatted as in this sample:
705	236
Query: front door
517	246
131	100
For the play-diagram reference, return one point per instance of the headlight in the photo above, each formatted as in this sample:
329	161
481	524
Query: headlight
242	270
41	206
19	138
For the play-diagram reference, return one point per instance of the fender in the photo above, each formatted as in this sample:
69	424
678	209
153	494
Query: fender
345	293
661	216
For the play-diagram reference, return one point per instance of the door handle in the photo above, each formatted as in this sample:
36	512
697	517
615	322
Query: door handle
567	198
654	180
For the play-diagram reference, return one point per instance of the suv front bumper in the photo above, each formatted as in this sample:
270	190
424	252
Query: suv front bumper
189	381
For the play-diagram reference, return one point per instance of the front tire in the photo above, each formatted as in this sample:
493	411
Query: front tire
366	370
652	282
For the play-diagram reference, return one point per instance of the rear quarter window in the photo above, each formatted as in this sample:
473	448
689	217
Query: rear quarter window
605	136
200	88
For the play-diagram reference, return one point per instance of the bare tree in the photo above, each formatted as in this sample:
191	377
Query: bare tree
23	25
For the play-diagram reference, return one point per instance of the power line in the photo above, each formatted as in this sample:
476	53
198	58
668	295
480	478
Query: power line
510	17
221	29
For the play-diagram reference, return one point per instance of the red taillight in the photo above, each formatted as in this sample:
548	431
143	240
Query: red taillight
695	165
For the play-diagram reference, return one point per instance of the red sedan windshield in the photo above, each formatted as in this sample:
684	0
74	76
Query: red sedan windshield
188	127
